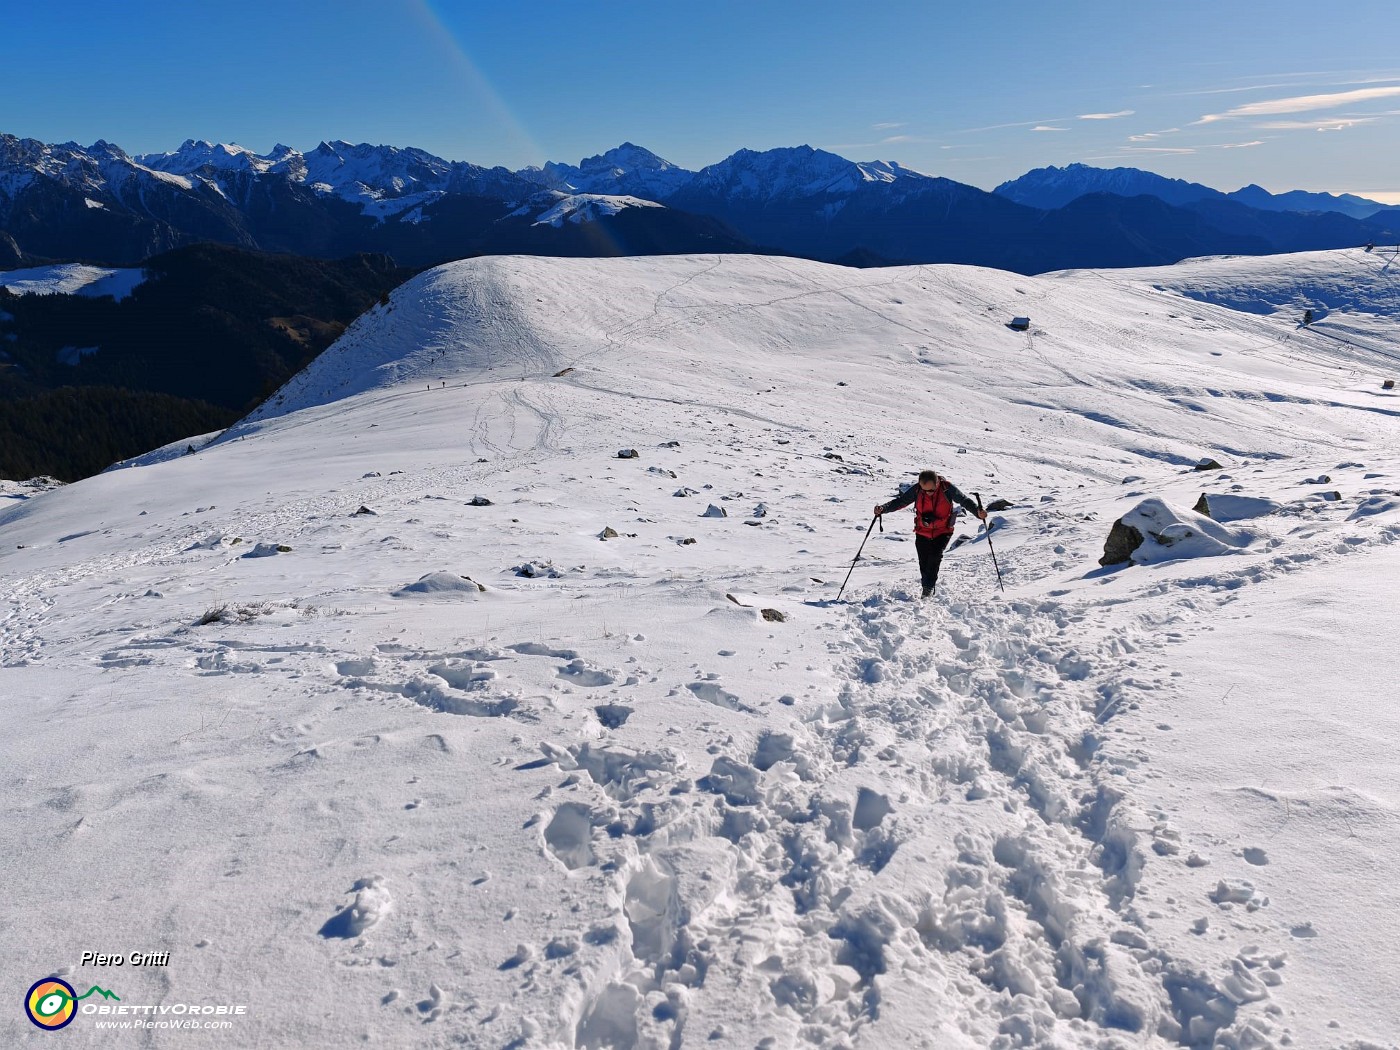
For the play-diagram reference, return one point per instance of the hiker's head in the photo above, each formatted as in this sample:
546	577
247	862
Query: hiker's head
927	479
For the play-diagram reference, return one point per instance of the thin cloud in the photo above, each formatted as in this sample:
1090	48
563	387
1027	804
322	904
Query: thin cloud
1016	124
1240	145
1158	149
1107	116
887	125
1042	127
1334	78
1337	123
1228	90
893	140
1302	103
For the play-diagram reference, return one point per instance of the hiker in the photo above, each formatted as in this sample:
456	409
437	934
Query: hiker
933	499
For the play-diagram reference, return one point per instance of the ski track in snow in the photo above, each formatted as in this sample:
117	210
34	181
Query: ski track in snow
939	835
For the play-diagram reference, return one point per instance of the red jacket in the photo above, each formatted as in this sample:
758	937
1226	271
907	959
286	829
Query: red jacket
933	511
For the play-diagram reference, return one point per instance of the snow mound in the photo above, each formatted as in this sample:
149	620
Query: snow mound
1373	505
1230	507
267	550
1172	533
372	903
440	583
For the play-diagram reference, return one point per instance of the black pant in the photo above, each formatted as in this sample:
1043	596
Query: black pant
931	557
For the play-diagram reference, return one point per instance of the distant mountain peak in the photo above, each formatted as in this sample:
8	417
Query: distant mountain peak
1050	187
795	171
196	154
625	170
628	156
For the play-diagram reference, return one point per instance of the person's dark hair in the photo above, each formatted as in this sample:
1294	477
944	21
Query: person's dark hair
927	475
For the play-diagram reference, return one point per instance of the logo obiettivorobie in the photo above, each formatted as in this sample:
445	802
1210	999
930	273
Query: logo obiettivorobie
52	1003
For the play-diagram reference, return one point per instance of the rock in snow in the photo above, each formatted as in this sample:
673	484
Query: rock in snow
1156	531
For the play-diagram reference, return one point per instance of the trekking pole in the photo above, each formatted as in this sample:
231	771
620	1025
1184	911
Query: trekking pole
857	557
989	544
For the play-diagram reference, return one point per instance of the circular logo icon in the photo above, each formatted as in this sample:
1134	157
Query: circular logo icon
51	1003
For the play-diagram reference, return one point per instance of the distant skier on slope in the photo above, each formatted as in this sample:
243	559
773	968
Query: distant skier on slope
933	499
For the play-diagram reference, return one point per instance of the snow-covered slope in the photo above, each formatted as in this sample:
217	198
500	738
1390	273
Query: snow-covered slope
588	207
73	279
410	712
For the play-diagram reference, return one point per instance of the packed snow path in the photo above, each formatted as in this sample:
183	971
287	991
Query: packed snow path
363	700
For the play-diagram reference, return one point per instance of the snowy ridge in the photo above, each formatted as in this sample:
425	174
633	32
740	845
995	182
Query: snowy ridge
1052	187
383	180
97	169
73	279
194	156
589	207
799	171
502	738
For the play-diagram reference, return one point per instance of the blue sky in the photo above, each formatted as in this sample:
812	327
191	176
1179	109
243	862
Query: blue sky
1287	94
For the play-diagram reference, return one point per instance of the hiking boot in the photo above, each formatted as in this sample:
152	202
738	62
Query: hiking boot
928	591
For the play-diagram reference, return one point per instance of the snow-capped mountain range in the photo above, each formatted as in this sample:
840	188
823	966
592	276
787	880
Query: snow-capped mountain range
98	204
1053	187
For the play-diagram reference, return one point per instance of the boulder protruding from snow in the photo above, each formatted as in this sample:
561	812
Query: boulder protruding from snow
1122	540
1157	531
715	512
1208	464
531	570
627	453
